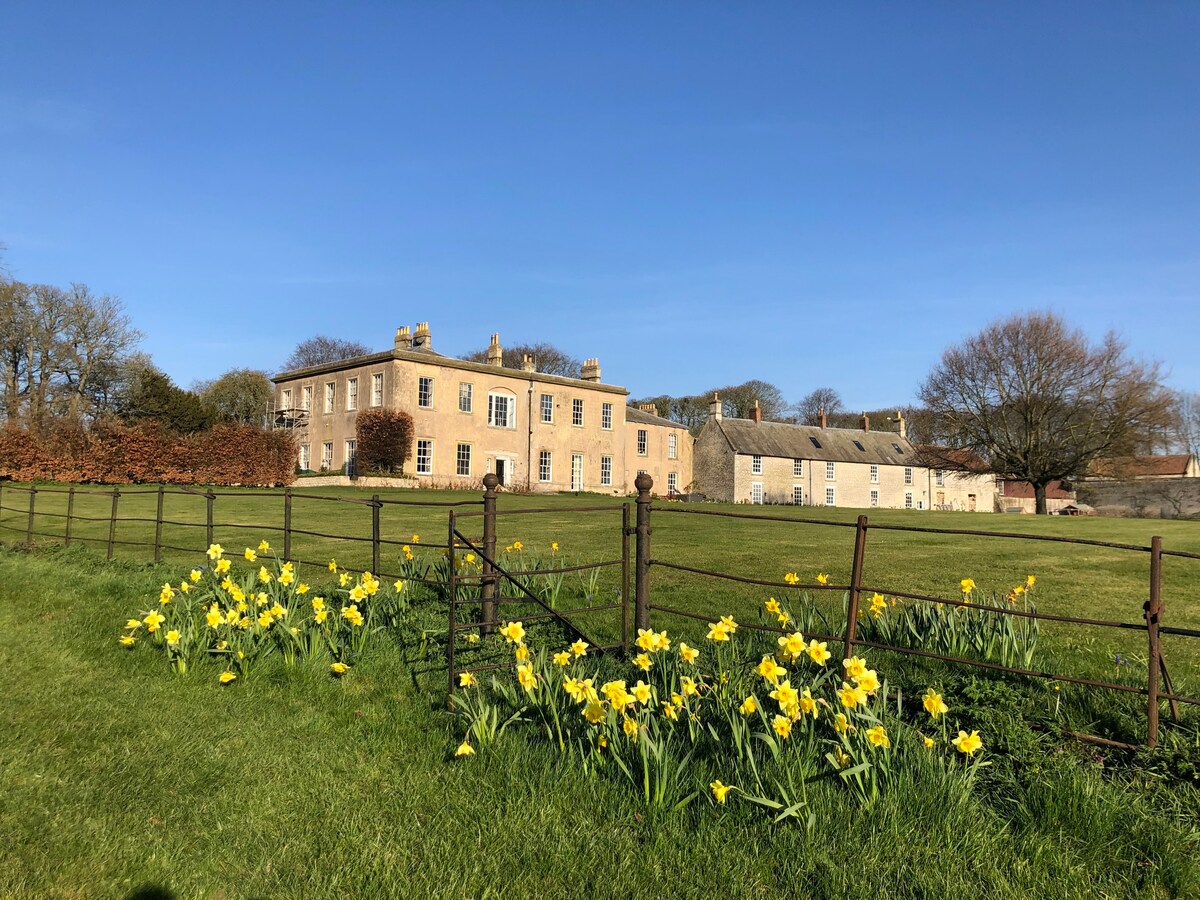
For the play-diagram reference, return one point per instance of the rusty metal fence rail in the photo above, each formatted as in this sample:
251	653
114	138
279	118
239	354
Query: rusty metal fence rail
285	527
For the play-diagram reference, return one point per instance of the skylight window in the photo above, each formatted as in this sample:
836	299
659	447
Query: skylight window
898	448
816	443
859	445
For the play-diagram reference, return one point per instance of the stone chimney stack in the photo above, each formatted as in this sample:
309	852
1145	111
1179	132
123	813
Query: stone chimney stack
714	407
527	362
901	424
590	370
824	419
648	408
403	338
422	339
495	355
866	421
756	413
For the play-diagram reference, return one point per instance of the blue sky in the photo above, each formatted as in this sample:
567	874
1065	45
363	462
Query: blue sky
697	193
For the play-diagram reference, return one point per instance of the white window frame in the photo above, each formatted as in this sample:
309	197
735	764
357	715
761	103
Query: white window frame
908	475
327	455
830	496
830	471
351	450
908	499
756	493
797	495
874	474
330	396
642	441
545	466
351	394
672	446
577	471
425	391
797	468
606	416
939	478
756	464
306	457
672	482
547	409
577	412
874	497
510	409
606	471
461	458
377	389
424	456
466	397
308	392
285	399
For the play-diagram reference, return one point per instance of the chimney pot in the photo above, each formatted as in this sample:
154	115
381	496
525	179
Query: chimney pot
756	413
403	338
421	337
591	369
714	407
824	419
527	362
495	354
866	421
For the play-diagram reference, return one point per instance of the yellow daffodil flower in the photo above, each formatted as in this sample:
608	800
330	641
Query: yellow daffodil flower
721	791
791	578
333	566
841	757
818	652
512	632
213	617
878	737
792	646
127	640
772	606
967	743
215	551
473	638
643	662
339	668
562	658
771	670
594	712
579	648
195	575
749	706
1030	580
153	620
263	546
782	726
807	705
933	703
641	692
688	686
967	585
226	677
250	555
526	678
927	742
352	615
222	566
522	653
718	632
466	679
854	667
840	723
868	681
822	578
464	749
851	696
133	623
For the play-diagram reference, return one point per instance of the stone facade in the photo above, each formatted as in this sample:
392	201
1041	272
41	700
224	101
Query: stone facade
536	431
659	447
752	461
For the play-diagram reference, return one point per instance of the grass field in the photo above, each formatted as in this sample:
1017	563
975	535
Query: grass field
117	775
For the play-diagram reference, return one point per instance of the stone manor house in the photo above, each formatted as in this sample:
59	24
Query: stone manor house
545	432
533	430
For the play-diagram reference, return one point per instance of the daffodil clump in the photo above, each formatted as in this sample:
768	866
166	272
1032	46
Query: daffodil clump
977	630
236	616
740	718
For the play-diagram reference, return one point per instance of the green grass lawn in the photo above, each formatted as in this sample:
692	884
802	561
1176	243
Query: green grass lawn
116	776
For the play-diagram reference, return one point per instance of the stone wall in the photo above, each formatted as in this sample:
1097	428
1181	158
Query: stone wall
1167	498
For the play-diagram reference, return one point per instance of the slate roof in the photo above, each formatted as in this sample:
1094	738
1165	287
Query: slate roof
953	458
835	444
641	417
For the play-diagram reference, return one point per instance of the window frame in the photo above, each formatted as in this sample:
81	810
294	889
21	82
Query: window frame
830	470
545	466
425	391
830	495
425	444
672	445
352	394
376	389
606	471
756	491
756	464
874	498
908	475
459	456
468	395
330	397
874	473
327	456
643	442
797	468
672	482
606	418
547	409
510	409
797	495
307	395
577	412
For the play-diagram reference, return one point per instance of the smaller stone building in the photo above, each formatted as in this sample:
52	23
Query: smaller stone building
753	461
659	447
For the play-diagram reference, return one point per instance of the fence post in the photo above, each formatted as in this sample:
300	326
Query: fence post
856	568
452	602
158	523
487	609
209	497
70	513
626	531
112	521
29	525
641	608
1153	609
376	505
287	522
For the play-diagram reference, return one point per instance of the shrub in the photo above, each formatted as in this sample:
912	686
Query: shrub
384	437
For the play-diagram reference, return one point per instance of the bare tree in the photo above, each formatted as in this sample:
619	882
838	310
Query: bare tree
808	410
96	333
1040	402
1187	422
546	358
322	349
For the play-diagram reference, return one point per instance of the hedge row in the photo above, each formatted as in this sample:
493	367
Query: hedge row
111	452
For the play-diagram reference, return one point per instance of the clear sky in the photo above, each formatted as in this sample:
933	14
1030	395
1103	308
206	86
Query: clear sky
697	193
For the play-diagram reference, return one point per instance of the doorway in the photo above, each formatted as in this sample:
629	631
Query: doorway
577	471
502	472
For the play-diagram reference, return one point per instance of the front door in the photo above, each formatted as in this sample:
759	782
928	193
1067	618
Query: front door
502	470
971	502
577	471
